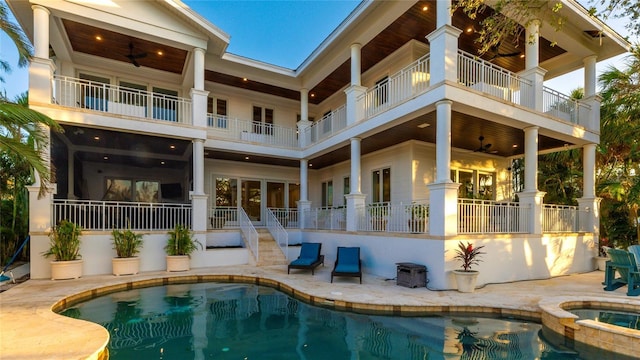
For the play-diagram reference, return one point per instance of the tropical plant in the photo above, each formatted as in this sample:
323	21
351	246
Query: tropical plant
15	33
126	243
468	255
64	242
181	242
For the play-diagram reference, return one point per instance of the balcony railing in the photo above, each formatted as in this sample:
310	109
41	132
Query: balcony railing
326	218
564	107
109	215
327	126
252	131
223	217
113	99
401	86
487	216
484	76
560	218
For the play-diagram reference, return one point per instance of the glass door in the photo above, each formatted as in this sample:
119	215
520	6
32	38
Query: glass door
251	201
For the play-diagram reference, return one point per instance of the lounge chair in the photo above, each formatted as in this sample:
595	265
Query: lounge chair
348	263
309	258
624	263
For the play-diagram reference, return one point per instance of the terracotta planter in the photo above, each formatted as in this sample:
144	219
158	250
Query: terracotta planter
178	263
601	262
125	266
466	280
62	270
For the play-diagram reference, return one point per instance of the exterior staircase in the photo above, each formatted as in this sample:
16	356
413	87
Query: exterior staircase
269	252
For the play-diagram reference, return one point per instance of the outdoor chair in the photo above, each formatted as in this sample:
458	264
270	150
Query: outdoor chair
309	258
348	263
624	263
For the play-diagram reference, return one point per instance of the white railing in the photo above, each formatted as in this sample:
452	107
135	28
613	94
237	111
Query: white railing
249	232
397	218
288	218
278	232
560	218
484	76
109	215
113	99
564	107
401	86
327	218
269	134
327	126
223	217
487	216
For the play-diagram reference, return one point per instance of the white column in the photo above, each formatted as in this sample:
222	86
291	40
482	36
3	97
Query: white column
41	67
443	13
199	213
531	158
443	46
532	52
355	64
589	170
303	204
590	77
355	90
443	141
40	32
304	104
40	214
531	198
198	68
304	138
590	117
355	199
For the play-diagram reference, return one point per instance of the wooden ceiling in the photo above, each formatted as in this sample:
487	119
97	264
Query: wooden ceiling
249	84
112	45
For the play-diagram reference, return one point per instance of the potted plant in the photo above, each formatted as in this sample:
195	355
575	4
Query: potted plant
378	213
418	217
603	256
179	247
65	249
469	255
127	244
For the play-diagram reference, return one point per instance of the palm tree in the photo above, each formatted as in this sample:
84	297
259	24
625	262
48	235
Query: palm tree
14	33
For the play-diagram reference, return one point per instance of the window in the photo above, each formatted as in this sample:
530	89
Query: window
327	193
95	94
382	91
474	184
122	190
226	192
262	120
381	185
165	104
217	114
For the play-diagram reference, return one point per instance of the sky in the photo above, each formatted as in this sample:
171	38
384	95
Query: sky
279	32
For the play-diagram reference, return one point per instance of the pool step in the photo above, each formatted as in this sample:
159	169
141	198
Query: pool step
269	251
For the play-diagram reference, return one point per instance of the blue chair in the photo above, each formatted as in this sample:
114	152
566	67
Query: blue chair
348	263
624	263
309	258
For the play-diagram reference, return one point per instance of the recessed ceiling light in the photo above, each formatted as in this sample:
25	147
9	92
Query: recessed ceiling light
105	157
246	158
521	56
98	37
172	147
313	95
161	162
310	165
424	125
96	138
469	30
244	79
514	146
425	8
160	53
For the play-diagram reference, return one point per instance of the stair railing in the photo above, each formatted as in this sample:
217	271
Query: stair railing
278	232
249	232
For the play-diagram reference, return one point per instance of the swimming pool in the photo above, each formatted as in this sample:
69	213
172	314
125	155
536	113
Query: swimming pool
243	321
618	318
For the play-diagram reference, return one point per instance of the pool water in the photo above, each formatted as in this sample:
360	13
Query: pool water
243	321
618	318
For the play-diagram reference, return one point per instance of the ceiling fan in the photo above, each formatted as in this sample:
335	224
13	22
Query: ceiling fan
133	57
484	147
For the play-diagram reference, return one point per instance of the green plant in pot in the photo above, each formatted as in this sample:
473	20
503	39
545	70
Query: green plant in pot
64	247
127	245
180	245
469	255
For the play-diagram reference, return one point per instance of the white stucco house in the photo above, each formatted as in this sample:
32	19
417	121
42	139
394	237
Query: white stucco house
392	117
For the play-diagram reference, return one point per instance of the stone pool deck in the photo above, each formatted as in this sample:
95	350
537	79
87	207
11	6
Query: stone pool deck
29	329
